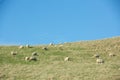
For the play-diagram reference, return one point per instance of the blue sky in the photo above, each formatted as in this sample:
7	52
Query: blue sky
45	21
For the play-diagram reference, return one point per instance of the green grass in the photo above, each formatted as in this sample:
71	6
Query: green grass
51	65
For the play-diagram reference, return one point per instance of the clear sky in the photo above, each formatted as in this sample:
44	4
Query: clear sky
45	21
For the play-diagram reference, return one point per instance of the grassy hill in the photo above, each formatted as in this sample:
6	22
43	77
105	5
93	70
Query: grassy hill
50	64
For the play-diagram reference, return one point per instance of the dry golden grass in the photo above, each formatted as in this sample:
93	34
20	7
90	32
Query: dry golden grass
50	64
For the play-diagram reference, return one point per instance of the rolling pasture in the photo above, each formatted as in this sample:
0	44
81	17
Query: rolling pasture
67	61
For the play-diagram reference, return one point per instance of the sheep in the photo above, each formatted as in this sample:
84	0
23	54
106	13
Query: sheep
34	54
45	48
33	58
20	47
51	44
13	53
27	58
28	46
100	60
66	59
111	54
96	55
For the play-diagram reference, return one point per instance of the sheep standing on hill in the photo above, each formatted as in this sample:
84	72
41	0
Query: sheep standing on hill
45	48
28	46
13	53
34	54
20	47
27	58
51	44
96	55
112	54
66	59
33	58
100	60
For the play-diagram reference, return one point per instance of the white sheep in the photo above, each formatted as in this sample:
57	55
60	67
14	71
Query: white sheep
13	53
51	44
111	54
96	55
45	48
66	59
20	47
33	58
100	60
34	54
27	58
28	46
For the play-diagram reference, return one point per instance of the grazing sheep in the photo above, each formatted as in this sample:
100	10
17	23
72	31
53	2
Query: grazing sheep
27	58
34	54
51	44
66	59
28	46
33	58
96	55
20	47
111	54
45	48
13	53
100	60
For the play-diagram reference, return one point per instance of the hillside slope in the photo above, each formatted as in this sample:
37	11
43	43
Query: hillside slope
50	64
